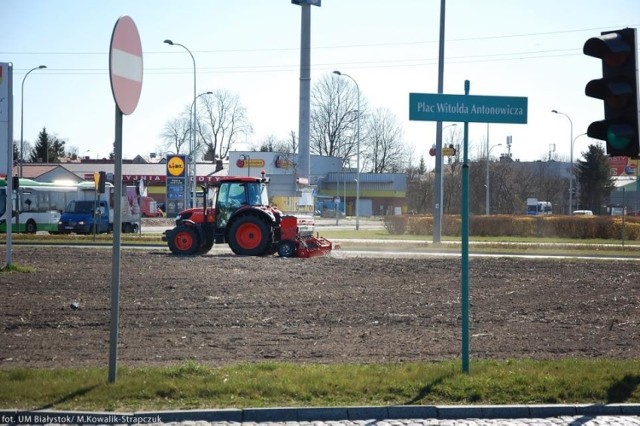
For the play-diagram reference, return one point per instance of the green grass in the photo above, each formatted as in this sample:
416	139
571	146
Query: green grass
11	268
191	385
381	234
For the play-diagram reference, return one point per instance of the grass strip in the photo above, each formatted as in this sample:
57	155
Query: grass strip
191	385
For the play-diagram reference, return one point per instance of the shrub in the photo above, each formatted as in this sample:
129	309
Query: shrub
396	225
580	227
420	225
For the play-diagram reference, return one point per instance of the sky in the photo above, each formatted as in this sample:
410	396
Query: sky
251	48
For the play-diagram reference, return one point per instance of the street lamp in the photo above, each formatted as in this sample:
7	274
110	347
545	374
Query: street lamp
577	189
488	198
570	160
22	115
357	150
447	126
193	122
84	155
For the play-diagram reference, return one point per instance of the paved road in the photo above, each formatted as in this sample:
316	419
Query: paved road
321	223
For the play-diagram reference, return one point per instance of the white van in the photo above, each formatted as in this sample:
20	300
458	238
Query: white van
583	213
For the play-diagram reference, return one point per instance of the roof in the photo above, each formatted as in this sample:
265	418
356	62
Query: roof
45	172
36	170
32	171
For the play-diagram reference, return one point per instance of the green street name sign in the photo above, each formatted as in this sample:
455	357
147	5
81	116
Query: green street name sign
467	108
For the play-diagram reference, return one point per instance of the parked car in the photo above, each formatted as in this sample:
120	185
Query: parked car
583	213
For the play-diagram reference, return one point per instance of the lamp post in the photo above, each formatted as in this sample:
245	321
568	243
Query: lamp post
577	188
22	115
193	122
570	159
357	150
488	198
447	126
84	155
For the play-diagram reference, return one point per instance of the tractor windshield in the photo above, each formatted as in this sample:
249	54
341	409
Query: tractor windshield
257	194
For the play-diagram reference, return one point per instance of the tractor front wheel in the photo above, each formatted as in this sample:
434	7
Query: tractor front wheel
183	241
250	236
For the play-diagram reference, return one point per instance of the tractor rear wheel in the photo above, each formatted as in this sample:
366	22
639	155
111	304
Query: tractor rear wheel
183	241
250	235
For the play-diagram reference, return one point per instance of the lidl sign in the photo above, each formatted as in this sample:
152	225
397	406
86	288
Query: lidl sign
467	108
176	166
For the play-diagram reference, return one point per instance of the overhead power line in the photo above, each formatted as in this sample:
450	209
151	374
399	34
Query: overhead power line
346	46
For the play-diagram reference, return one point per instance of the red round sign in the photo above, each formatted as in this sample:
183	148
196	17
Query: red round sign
125	65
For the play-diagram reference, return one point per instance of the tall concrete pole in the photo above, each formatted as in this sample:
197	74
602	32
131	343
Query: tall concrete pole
304	160
437	207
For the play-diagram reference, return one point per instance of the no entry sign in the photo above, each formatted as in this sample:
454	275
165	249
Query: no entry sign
125	65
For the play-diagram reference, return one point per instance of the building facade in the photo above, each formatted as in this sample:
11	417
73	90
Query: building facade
379	193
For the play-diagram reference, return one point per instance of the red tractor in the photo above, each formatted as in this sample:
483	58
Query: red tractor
236	211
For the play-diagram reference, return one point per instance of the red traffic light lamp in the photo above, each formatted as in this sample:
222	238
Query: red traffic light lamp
618	88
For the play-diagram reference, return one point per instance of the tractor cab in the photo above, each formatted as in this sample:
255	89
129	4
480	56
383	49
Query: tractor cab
232	196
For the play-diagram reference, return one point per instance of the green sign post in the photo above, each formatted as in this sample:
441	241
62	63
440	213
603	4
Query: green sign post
466	109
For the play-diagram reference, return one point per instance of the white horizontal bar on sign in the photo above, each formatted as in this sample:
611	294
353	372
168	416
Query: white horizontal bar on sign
126	65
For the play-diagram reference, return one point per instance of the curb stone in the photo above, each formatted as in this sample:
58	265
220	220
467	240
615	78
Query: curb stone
319	414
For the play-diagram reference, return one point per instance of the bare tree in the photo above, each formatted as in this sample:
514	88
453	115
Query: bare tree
508	194
176	134
222	123
420	188
292	142
384	150
334	116
272	144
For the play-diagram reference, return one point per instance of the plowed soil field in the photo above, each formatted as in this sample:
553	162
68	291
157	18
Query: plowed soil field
221	308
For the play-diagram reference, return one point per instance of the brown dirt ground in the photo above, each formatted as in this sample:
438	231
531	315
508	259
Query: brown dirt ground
221	308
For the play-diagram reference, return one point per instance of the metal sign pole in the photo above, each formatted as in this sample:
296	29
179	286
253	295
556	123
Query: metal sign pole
117	234
465	245
125	72
6	124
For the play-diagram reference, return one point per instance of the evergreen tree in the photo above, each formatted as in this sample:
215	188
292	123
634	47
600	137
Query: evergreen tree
594	179
422	168
47	149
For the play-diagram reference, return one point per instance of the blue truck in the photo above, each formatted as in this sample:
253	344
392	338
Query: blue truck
85	217
88	214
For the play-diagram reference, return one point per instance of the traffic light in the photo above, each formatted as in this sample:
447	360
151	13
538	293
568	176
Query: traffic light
618	88
100	179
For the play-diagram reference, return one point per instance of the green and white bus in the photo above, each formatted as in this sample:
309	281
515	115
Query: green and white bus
37	206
